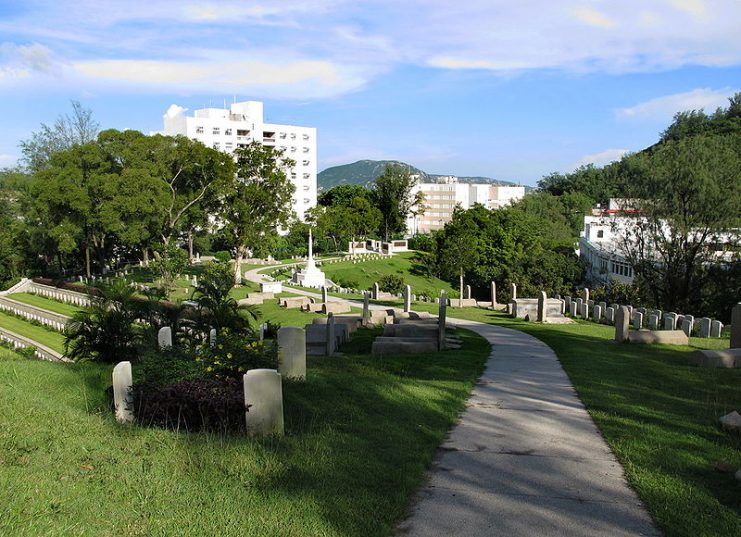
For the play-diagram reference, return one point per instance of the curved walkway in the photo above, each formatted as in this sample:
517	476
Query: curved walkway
525	459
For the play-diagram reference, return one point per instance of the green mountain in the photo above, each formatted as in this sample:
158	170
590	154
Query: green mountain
364	172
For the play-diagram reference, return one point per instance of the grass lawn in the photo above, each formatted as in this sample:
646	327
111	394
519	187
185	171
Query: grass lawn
53	340
660	417
46	303
365	273
360	434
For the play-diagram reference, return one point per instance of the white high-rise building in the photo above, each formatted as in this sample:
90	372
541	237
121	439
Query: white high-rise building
229	129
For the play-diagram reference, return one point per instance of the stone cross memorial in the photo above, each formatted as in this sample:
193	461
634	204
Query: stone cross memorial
366	308
493	294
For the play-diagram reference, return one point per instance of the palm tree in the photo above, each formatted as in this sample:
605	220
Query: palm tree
105	331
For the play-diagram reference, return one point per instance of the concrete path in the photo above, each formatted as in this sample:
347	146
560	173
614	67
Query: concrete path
526	459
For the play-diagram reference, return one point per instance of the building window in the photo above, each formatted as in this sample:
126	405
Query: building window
306	136
306	149
293	149
217	130
600	234
305	162
306	176
229	145
228	132
216	145
282	134
199	130
242	132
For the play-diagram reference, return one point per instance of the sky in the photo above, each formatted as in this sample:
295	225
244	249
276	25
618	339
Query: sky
496	88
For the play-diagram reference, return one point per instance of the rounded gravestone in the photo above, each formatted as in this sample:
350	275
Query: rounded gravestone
292	352
263	399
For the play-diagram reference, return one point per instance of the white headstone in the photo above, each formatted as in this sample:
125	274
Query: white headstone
638	320
212	337
407	298
716	328
292	351
122	397
263	399
164	337
705	327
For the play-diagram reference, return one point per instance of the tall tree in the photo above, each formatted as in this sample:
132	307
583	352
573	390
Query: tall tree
68	130
393	194
689	196
258	202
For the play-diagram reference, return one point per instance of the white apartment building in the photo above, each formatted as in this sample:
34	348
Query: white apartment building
442	198
242	123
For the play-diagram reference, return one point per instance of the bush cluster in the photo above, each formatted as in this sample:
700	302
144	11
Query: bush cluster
391	283
203	404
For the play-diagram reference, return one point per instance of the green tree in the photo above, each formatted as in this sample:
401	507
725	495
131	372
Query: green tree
393	195
689	196
258	201
67	131
343	195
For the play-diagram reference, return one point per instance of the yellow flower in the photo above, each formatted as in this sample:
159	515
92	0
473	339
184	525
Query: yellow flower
229	355
209	368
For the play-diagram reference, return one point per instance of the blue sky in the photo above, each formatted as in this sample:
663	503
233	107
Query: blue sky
511	90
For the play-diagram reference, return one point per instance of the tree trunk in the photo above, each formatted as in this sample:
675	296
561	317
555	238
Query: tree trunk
87	260
190	245
460	300
238	265
145	256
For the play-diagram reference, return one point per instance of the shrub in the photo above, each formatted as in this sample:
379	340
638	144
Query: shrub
391	283
233	355
105	332
195	405
271	330
350	284
223	255
167	366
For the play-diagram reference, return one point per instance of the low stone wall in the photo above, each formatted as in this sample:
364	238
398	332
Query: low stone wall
61	295
22	342
55	321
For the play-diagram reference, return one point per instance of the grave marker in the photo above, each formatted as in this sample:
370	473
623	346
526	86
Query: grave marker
263	399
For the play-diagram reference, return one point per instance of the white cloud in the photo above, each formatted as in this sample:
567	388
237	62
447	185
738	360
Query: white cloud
7	160
173	111
662	108
20	61
695	8
307	78
592	17
601	158
314	48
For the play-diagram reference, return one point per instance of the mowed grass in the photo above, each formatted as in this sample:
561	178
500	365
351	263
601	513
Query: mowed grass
365	273
46	303
49	338
659	416
360	434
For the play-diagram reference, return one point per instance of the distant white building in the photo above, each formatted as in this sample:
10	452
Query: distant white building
442	198
243	123
599	242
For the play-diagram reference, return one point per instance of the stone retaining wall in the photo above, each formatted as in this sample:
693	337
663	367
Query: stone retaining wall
21	342
55	321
